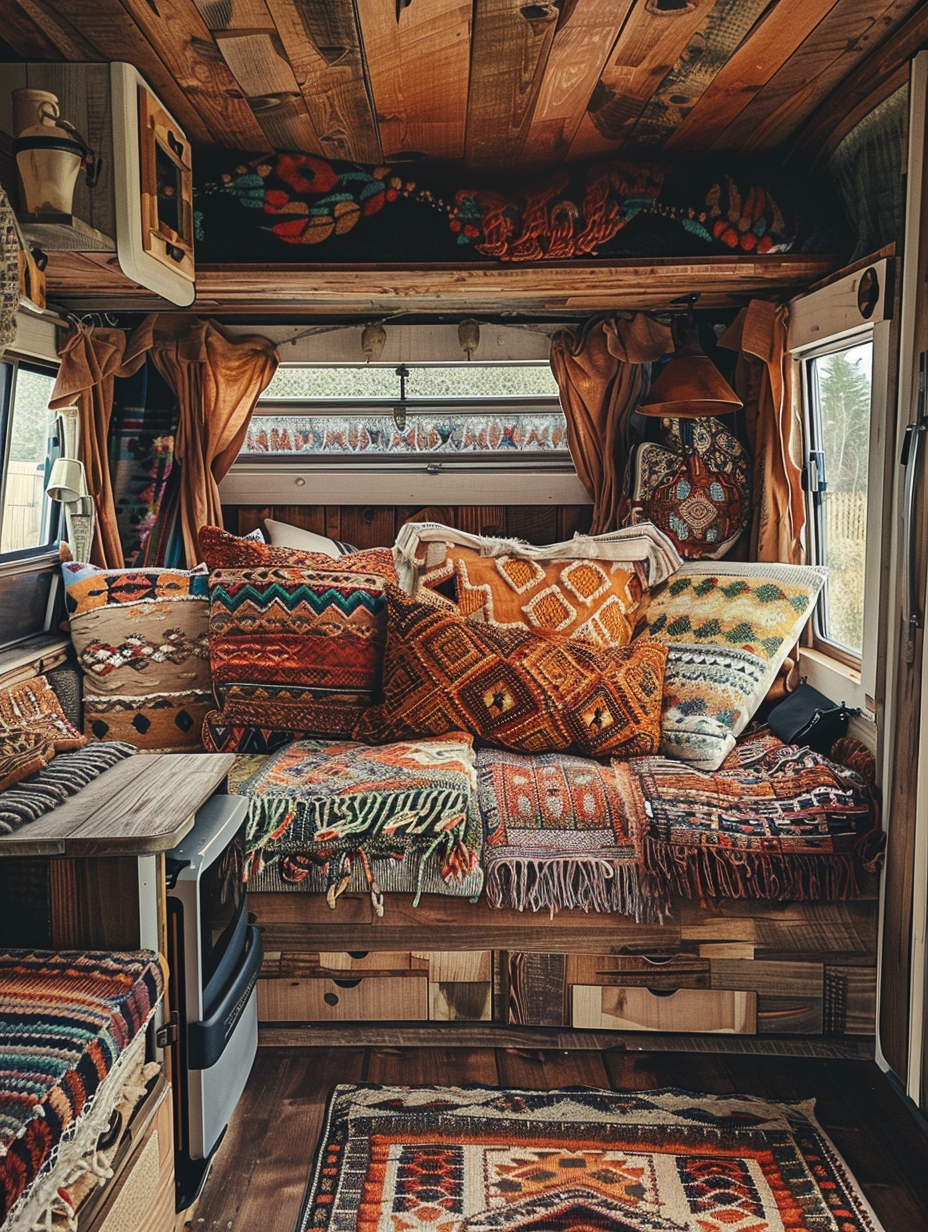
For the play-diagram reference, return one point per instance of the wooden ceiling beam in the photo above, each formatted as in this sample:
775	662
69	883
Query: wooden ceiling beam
870	84
510	45
38	35
777	35
850	32
584	36
649	44
418	66
235	14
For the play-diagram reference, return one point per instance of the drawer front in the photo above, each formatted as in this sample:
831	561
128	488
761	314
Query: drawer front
666	971
356	999
687	1010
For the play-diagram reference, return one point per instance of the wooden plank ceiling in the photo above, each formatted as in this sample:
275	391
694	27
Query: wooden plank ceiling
496	86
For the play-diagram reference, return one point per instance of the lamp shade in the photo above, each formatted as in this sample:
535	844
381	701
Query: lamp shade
67	480
690	386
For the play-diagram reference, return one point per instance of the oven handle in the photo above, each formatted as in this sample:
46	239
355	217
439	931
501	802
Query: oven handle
207	1039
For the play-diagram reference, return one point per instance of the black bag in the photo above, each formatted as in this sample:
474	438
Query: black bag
809	717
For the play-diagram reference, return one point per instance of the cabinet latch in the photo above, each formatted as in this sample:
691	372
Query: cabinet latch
169	1031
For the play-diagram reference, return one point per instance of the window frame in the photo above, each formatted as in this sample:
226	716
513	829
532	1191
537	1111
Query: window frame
518	477
51	525
830	319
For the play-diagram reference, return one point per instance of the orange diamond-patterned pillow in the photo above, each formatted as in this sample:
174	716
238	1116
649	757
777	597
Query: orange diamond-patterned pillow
530	692
596	600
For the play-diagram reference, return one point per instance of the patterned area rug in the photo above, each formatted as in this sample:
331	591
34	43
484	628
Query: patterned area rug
454	1159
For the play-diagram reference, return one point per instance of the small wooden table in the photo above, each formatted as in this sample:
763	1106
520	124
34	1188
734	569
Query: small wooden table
107	843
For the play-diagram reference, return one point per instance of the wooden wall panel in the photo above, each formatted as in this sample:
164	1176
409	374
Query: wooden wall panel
377	526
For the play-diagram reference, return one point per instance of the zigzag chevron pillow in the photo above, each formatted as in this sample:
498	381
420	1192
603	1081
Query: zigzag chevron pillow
728	627
296	650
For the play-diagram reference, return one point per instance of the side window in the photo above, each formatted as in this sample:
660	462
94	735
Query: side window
838	384
28	520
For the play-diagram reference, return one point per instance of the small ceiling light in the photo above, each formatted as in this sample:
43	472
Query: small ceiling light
689	385
373	337
469	336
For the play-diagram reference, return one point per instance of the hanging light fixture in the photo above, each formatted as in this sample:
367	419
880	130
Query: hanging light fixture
399	410
690	386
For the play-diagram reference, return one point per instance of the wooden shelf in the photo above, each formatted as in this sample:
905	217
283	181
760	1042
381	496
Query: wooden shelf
92	281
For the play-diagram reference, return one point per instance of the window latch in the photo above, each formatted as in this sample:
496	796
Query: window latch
813	475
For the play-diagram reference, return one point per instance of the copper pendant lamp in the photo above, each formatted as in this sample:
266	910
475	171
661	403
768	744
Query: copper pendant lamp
689	386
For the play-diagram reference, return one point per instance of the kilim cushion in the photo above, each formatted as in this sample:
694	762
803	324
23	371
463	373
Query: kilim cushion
65	1019
33	728
597	600
221	550
557	835
530	692
321	804
775	822
297	650
141	638
421	552
728	628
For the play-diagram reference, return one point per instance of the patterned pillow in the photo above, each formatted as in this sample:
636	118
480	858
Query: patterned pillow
728	628
421	552
221	550
597	600
529	692
33	704
141	638
295	650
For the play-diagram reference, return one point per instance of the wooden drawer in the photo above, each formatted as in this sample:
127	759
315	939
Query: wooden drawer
639	1009
142	1193
789	994
666	971
358	998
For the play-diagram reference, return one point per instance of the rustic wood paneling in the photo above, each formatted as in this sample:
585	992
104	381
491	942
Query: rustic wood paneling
257	61
776	36
838	44
322	42
583	39
418	65
649	45
509	51
726	28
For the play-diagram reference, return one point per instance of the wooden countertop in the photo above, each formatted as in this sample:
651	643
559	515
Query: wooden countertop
142	805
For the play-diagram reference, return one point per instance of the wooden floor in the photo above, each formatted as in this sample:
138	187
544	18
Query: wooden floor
260	1172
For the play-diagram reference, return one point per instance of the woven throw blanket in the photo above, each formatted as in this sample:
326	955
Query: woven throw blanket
61	778
775	822
65	1018
557	835
320	803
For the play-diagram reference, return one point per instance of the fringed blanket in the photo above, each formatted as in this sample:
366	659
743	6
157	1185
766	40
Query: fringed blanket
66	1019
61	778
558	835
332	805
775	822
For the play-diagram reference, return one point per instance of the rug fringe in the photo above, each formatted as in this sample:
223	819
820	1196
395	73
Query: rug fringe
555	883
710	872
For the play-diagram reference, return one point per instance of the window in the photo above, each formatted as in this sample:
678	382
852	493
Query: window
838	384
459	412
29	520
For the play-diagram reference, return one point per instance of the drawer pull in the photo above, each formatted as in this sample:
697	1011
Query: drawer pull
663	992
358	953
347	983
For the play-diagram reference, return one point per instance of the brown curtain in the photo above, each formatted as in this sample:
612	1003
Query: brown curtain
774	430
90	360
601	376
217	381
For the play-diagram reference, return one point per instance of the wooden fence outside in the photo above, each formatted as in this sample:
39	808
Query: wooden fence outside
22	513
